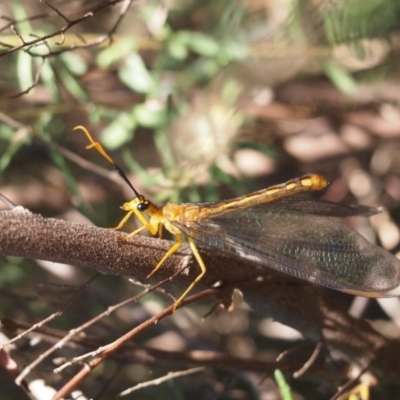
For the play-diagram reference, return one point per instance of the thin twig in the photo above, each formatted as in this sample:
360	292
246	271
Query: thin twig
69	24
104	352
309	362
7	202
165	378
81	328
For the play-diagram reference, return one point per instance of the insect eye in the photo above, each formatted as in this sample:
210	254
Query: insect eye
142	207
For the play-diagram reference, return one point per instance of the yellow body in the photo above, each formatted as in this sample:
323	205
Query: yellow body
186	213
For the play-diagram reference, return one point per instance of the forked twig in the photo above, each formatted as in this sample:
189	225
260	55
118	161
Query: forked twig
104	352
76	331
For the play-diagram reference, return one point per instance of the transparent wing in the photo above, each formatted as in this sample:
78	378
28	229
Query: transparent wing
323	207
296	237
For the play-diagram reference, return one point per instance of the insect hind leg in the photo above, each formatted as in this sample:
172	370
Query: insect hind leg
196	253
203	268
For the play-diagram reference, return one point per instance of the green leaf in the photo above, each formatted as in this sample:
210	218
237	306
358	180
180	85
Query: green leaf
116	52
135	74
180	43
149	118
202	44
6	132
48	78
71	83
348	21
284	388
11	150
340	78
232	51
24	70
119	131
74	62
177	46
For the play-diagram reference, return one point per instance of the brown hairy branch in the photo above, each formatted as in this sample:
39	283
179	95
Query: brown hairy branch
287	300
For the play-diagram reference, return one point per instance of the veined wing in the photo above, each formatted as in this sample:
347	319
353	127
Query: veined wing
316	248
325	208
318	207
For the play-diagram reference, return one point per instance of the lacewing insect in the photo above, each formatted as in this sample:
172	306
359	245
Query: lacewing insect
295	235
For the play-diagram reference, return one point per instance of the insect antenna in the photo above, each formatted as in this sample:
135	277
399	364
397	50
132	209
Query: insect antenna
101	150
125	178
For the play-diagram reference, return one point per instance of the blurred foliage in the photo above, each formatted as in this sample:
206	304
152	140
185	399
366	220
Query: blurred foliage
184	59
283	386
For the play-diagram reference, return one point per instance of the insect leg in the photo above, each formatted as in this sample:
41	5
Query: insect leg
145	225
198	278
170	251
152	229
123	221
132	233
160	231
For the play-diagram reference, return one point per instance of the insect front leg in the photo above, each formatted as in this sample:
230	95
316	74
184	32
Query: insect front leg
146	225
131	207
123	221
